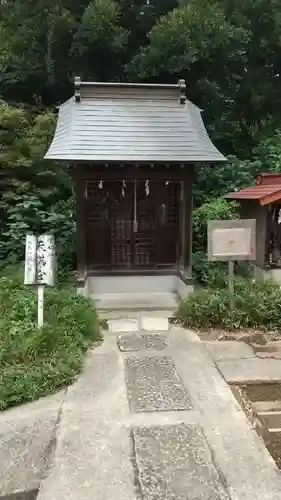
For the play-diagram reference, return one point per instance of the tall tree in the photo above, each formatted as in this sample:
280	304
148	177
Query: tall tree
35	38
228	52
139	17
99	42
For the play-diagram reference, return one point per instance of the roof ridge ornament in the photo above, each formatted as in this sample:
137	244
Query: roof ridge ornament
77	87
182	86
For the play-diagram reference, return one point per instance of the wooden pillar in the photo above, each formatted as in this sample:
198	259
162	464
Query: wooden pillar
251	209
186	221
182	228
80	223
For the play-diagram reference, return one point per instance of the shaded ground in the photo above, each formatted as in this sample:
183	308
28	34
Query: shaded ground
247	396
263	392
249	336
255	382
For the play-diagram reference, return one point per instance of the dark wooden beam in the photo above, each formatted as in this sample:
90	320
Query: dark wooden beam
80	224
141	172
182	227
187	224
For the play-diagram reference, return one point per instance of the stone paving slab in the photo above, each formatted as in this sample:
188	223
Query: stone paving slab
26	433
175	463
151	324
228	349
250	370
137	342
123	325
153	384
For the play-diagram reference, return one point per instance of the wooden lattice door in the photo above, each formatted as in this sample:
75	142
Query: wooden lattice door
157	236
132	224
97	224
121	215
109	220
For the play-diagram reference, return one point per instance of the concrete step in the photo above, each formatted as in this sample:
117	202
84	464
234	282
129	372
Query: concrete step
132	284
144	323
123	314
124	305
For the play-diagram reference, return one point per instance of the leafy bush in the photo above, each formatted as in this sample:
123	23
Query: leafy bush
216	209
209	273
35	362
257	305
215	274
212	274
30	216
36	196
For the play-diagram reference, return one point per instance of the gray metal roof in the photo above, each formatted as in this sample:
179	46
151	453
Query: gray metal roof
131	122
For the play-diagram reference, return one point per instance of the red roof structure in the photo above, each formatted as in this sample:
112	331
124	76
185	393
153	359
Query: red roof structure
267	190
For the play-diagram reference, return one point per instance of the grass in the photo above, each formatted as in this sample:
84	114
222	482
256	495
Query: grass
35	362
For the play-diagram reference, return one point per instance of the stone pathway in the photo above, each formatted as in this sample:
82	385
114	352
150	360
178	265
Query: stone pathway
152	418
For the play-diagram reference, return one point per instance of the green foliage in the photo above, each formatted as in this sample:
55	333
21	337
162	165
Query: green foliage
206	273
186	36
198	42
213	45
215	274
235	174
257	305
24	139
216	209
99	41
217	180
212	274
37	196
37	362
214	181
228	52
30	217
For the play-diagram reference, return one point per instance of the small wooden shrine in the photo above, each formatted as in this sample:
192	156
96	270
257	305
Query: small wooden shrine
263	203
133	148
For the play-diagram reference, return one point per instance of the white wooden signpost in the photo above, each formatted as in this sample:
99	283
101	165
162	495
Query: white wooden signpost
230	240
40	267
